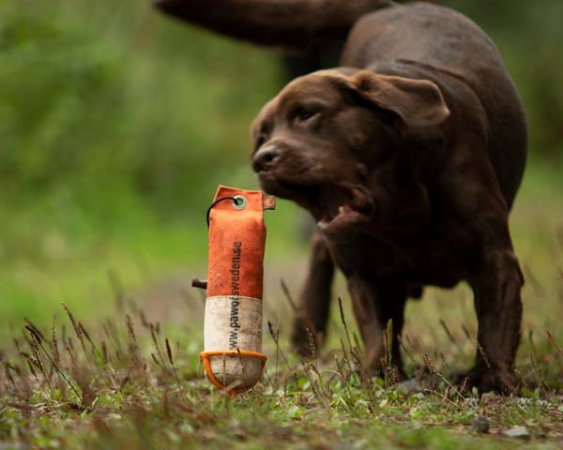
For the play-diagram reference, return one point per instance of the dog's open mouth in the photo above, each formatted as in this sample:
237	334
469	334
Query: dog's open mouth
334	205
340	205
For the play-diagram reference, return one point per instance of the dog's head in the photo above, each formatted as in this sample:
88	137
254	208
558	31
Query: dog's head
333	141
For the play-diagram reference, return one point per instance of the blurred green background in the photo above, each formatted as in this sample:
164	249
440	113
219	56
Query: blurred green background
117	124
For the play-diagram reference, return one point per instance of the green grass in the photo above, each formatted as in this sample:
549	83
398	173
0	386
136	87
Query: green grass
125	387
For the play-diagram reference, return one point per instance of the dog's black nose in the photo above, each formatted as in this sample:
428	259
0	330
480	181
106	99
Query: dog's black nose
266	158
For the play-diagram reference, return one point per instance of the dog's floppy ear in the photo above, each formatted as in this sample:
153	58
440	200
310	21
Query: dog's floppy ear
418	103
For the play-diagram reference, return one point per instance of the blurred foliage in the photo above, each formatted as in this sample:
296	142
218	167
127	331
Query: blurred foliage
530	38
103	104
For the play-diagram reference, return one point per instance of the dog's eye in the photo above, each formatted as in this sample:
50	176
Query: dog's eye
303	114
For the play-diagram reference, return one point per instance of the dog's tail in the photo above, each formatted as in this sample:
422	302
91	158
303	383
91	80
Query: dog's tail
291	23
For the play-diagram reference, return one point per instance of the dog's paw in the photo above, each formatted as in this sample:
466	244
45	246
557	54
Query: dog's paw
488	380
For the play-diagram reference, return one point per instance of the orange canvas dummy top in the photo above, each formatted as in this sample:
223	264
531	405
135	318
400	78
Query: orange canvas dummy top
237	240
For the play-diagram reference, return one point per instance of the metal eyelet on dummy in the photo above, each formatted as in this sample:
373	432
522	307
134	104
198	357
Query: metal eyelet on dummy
239	202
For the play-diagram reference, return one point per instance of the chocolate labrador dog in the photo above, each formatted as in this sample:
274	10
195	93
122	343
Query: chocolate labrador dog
409	157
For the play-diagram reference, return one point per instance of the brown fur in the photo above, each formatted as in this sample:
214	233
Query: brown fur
421	139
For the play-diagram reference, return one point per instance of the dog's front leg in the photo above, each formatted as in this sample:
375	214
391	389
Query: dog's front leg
499	313
375	303
313	308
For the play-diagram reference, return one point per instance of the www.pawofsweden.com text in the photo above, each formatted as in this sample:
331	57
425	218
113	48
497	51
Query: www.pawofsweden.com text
235	292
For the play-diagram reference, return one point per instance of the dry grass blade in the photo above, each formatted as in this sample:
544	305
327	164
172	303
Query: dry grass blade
57	367
105	356
275	337
288	296
79	331
388	343
275	334
156	344
73	321
343	320
36	330
405	349
133	347
434	371
54	343
467	333
169	352
7	370
34	345
171	361
117	287
450	335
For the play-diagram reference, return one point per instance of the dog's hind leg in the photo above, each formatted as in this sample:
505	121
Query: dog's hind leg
499	312
493	273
